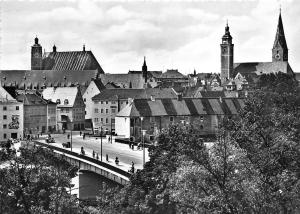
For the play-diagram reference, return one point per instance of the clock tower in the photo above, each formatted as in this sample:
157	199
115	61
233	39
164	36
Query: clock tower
226	56
36	55
280	49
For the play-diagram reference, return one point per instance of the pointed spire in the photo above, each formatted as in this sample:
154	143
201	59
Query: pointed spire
280	37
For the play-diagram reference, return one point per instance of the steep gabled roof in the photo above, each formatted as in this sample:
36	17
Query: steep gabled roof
184	107
172	74
71	60
61	93
32	99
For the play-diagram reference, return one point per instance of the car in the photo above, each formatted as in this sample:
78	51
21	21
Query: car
50	140
66	145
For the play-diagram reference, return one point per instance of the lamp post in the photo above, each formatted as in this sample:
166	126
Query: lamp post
71	135
143	132
101	142
142	118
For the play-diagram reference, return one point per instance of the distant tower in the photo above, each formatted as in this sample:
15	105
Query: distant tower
36	55
145	70
280	49
226	56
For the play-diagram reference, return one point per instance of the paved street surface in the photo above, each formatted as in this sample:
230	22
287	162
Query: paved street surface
122	151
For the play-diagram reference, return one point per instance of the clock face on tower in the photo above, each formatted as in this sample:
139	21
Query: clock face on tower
36	55
277	56
224	49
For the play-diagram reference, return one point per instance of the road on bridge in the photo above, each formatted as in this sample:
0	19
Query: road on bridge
113	150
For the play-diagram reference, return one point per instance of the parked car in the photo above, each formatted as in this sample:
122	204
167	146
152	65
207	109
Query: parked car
66	145
50	140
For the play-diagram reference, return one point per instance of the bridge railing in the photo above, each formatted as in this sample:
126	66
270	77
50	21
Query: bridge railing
90	159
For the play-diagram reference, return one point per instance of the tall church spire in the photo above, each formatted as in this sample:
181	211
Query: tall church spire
144	70
280	49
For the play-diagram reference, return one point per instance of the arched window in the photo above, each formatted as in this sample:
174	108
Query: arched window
58	101
66	102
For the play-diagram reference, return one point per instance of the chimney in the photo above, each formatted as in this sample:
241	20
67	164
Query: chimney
54	49
83	48
179	96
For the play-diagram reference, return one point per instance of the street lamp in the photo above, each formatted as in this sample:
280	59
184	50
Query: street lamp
143	132
71	135
101	142
142	118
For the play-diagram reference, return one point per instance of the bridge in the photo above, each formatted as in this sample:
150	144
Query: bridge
90	164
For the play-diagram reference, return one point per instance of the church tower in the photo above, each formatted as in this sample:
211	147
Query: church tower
36	55
226	56
280	49
145	70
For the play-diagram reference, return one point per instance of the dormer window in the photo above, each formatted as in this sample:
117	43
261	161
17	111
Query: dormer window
58	101
66	102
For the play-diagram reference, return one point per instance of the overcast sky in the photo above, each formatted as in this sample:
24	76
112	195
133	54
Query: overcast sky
182	35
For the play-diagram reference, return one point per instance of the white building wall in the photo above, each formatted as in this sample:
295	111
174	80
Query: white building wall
11	120
90	92
123	126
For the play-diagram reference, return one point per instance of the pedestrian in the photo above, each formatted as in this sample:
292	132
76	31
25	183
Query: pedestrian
108	139
129	144
132	163
97	156
83	136
82	151
68	136
132	147
93	154
106	157
117	161
80	133
38	136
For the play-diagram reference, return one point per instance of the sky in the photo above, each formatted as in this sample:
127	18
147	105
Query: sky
183	35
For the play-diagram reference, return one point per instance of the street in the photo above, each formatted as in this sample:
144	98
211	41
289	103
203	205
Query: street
113	150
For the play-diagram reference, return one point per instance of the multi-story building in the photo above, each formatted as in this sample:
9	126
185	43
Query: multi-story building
110	101
11	117
70	107
39	114
95	87
154	115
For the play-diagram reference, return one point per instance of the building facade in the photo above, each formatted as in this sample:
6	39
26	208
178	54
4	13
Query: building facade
70	107
155	115
11	114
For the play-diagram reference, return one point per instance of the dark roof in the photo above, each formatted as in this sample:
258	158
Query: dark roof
111	85
155	74
124	80
262	67
172	74
184	107
32	99
71	60
280	37
99	84
39	79
121	93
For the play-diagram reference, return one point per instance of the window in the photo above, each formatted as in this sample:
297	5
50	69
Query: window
4	126
113	120
4	117
67	110
4	108
102	111
58	101
96	110
84	100
106	111
66	102
201	127
96	119
126	102
151	119
113	110
106	102
101	120
201	118
171	119
106	120
4	136
113	102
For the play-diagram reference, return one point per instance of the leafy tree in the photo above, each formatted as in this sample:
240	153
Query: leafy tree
37	182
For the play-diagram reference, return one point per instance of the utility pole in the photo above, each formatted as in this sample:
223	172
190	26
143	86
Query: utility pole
101	142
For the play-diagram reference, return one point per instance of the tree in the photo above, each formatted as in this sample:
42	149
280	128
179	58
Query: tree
37	182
